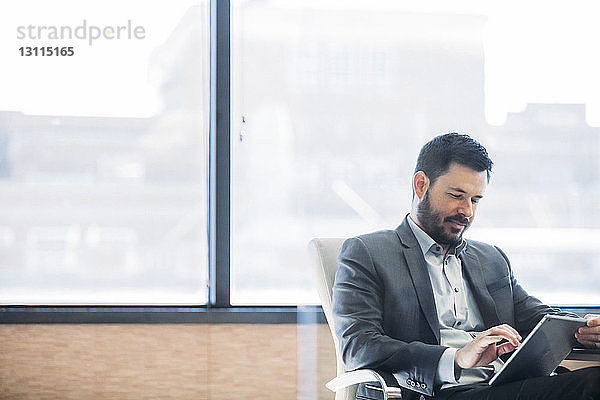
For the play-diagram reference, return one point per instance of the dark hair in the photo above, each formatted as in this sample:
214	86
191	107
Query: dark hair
441	151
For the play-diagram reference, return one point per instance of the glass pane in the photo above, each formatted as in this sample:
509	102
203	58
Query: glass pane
103	152
332	101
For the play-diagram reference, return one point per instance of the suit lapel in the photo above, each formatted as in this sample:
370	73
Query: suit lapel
419	275
473	271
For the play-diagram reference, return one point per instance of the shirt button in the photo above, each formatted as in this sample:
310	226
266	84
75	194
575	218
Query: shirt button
458	323
456	289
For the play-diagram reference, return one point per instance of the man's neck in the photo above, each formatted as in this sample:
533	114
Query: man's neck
413	217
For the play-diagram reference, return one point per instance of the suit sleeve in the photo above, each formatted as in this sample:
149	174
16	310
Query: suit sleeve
358	298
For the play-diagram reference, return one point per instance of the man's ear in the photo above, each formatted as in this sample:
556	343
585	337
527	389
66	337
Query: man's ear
420	184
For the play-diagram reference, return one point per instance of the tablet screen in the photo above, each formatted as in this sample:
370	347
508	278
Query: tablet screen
542	351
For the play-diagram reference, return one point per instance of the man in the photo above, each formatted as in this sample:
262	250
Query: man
430	307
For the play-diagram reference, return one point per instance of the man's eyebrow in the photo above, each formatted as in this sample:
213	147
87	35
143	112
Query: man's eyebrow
459	190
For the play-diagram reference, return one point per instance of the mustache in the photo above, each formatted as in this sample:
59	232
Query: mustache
459	219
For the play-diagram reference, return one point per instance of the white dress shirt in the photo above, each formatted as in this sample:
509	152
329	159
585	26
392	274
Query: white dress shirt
458	314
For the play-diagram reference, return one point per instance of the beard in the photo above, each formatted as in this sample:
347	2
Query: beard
432	223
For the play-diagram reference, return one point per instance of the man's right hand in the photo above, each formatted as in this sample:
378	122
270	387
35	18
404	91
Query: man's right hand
484	348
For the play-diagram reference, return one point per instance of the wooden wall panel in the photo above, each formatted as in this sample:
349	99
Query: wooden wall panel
326	363
103	361
252	362
178	361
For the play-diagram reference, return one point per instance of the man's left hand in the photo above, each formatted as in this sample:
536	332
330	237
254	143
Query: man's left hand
589	336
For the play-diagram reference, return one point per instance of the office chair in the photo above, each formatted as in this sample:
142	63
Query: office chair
324	253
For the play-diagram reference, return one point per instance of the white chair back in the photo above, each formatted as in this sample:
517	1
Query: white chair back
324	253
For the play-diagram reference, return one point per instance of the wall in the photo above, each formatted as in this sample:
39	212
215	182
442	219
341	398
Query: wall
181	361
168	361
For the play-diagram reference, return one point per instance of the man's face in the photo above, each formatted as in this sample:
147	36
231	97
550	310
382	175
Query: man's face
447	208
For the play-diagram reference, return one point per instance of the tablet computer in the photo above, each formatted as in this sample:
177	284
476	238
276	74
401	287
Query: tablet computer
548	344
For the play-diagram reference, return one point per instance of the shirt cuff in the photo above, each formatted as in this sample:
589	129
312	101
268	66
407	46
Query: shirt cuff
445	370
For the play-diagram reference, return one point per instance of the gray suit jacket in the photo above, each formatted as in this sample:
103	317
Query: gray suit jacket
384	309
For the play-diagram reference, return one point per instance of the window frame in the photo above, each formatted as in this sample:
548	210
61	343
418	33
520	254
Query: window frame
219	308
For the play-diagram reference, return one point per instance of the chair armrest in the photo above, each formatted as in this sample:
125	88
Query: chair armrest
388	384
581	354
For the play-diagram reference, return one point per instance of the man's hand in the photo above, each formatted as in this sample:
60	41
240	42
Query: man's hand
589	336
485	348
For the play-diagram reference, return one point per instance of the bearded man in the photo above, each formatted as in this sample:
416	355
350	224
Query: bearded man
437	310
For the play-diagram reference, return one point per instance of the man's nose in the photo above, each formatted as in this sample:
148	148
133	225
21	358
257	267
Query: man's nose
466	209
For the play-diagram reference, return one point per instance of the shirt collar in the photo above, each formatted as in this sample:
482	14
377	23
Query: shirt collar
427	243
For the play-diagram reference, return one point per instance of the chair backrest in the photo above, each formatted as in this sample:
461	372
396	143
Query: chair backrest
324	254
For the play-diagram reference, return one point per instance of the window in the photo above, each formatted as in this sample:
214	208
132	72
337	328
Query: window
331	102
103	153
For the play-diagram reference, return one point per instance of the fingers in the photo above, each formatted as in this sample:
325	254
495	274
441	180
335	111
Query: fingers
591	328
514	331
505	348
510	330
506	332
588	337
592	345
593	320
489	339
486	346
